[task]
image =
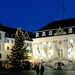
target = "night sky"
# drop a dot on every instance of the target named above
(31, 15)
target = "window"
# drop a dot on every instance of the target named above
(12, 41)
(26, 37)
(50, 32)
(7, 56)
(37, 34)
(50, 53)
(70, 30)
(27, 44)
(70, 53)
(7, 40)
(43, 34)
(0, 46)
(0, 55)
(7, 48)
(71, 41)
(12, 35)
(50, 43)
(7, 34)
(0, 35)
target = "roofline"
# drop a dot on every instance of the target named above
(55, 29)
(52, 36)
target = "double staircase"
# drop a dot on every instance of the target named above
(63, 64)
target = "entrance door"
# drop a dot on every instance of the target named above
(60, 53)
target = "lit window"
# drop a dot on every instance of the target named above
(71, 41)
(43, 34)
(43, 54)
(70, 53)
(70, 30)
(7, 48)
(26, 37)
(50, 53)
(12, 35)
(50, 32)
(7, 34)
(30, 45)
(12, 41)
(27, 44)
(0, 55)
(7, 40)
(50, 43)
(0, 35)
(37, 34)
(0, 46)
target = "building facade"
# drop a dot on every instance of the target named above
(53, 44)
(7, 35)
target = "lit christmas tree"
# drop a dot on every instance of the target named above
(18, 52)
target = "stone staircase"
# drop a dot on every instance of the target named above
(66, 64)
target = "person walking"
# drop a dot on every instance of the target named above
(42, 69)
(37, 70)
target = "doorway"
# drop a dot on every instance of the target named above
(60, 53)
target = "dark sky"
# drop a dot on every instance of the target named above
(32, 15)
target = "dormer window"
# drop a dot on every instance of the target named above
(11, 35)
(26, 37)
(43, 34)
(37, 34)
(70, 30)
(7, 34)
(50, 32)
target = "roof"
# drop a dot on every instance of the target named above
(12, 31)
(56, 24)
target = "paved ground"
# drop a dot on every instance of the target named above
(46, 72)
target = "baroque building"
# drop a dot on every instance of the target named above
(54, 44)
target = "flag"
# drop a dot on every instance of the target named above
(63, 8)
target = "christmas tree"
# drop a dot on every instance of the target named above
(19, 51)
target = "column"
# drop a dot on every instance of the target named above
(40, 48)
(66, 49)
(55, 50)
(73, 50)
(47, 49)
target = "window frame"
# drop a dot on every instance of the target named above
(70, 30)
(13, 41)
(50, 33)
(7, 41)
(12, 35)
(37, 34)
(43, 33)
(7, 34)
